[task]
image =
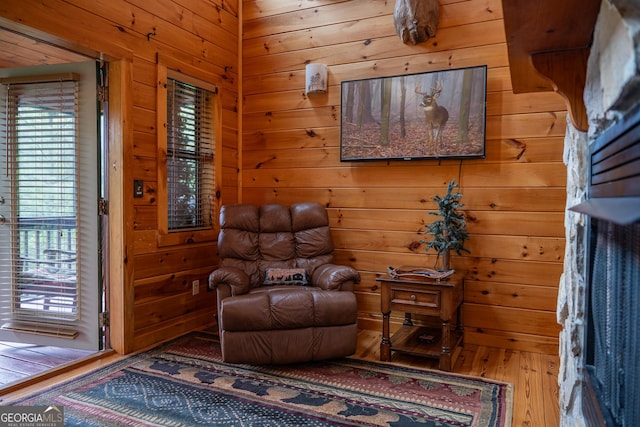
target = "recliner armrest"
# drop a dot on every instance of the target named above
(235, 278)
(334, 277)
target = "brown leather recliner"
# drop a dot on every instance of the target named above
(280, 297)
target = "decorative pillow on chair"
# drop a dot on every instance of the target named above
(286, 276)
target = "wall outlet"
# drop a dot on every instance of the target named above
(196, 287)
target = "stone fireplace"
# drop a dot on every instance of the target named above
(599, 250)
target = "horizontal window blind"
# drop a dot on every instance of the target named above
(39, 133)
(190, 153)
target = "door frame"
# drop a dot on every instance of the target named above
(117, 273)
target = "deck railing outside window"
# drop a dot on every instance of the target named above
(46, 276)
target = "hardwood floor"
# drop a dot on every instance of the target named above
(534, 376)
(19, 362)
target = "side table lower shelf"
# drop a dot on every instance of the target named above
(427, 342)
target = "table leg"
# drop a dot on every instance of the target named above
(385, 344)
(460, 325)
(445, 352)
(408, 321)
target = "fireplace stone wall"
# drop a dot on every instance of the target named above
(612, 89)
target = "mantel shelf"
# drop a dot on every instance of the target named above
(548, 43)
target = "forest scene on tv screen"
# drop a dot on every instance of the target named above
(438, 114)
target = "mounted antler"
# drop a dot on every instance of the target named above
(416, 20)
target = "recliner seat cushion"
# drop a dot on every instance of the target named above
(288, 346)
(289, 307)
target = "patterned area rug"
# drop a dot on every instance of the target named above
(185, 383)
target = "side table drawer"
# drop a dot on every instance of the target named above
(407, 300)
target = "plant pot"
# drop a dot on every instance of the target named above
(446, 260)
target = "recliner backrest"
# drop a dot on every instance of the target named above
(255, 238)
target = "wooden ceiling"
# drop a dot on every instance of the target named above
(17, 50)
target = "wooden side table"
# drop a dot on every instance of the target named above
(436, 298)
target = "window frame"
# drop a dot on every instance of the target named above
(167, 237)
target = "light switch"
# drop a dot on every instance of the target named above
(138, 188)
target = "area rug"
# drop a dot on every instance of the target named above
(185, 383)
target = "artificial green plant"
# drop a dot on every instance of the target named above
(449, 232)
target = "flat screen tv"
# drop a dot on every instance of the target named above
(432, 115)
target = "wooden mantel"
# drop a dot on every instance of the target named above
(549, 43)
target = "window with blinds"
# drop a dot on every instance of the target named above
(190, 154)
(38, 125)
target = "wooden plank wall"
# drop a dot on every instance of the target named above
(155, 294)
(514, 198)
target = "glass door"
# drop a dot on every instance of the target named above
(50, 291)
